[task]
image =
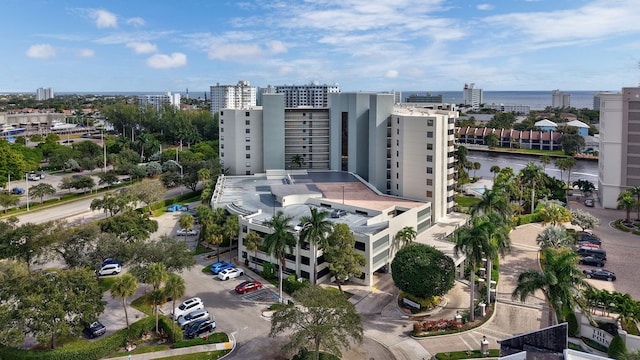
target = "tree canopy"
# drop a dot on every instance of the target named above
(423, 271)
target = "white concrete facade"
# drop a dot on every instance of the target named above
(472, 96)
(311, 95)
(241, 147)
(44, 94)
(239, 96)
(560, 99)
(157, 102)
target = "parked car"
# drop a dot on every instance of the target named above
(33, 176)
(589, 203)
(591, 251)
(173, 208)
(247, 286)
(184, 208)
(17, 191)
(338, 213)
(592, 261)
(109, 261)
(230, 273)
(199, 327)
(110, 269)
(42, 175)
(584, 236)
(94, 329)
(187, 306)
(190, 318)
(219, 266)
(185, 232)
(600, 274)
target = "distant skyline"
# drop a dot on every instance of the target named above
(363, 45)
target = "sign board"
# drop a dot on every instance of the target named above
(411, 303)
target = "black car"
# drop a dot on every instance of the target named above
(94, 329)
(584, 236)
(600, 274)
(592, 261)
(337, 213)
(199, 327)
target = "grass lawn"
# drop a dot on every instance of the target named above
(141, 350)
(208, 355)
(466, 201)
(106, 282)
(454, 355)
(142, 305)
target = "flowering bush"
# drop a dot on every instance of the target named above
(435, 326)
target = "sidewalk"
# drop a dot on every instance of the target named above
(182, 351)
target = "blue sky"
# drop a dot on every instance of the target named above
(363, 45)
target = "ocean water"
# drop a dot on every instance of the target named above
(538, 100)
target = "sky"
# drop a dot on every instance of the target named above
(362, 45)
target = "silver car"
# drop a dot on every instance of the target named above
(192, 317)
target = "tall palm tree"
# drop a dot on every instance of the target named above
(186, 222)
(474, 240)
(532, 176)
(545, 160)
(279, 241)
(560, 281)
(123, 286)
(555, 237)
(156, 275)
(252, 243)
(635, 191)
(406, 235)
(213, 235)
(315, 230)
(626, 202)
(155, 298)
(476, 166)
(230, 228)
(495, 169)
(492, 201)
(205, 216)
(174, 288)
(551, 212)
(501, 242)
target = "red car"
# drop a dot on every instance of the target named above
(247, 286)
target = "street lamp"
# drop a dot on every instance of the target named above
(26, 176)
(181, 173)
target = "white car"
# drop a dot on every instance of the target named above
(230, 273)
(185, 232)
(192, 317)
(110, 269)
(187, 306)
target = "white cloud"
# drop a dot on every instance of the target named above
(391, 74)
(103, 18)
(484, 7)
(86, 53)
(276, 47)
(245, 52)
(142, 47)
(41, 51)
(161, 61)
(136, 21)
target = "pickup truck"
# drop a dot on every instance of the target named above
(94, 329)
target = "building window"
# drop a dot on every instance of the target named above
(248, 164)
(429, 122)
(221, 129)
(221, 154)
(429, 134)
(248, 172)
(429, 158)
(305, 260)
(248, 156)
(397, 153)
(429, 146)
(429, 182)
(397, 176)
(397, 142)
(248, 147)
(247, 139)
(429, 170)
(429, 194)
(398, 120)
(221, 121)
(221, 138)
(221, 146)
(221, 113)
(247, 131)
(360, 246)
(247, 114)
(398, 131)
(247, 122)
(397, 164)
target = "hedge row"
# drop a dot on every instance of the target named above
(527, 219)
(214, 338)
(176, 199)
(92, 350)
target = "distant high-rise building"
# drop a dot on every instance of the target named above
(311, 95)
(240, 96)
(426, 98)
(44, 94)
(619, 156)
(472, 96)
(560, 100)
(596, 102)
(158, 101)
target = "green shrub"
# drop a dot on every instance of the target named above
(631, 327)
(619, 226)
(574, 328)
(528, 218)
(268, 271)
(617, 348)
(305, 354)
(214, 338)
(291, 284)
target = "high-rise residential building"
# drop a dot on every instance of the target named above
(44, 94)
(157, 102)
(619, 156)
(596, 102)
(472, 96)
(560, 99)
(516, 109)
(311, 95)
(402, 150)
(239, 96)
(426, 98)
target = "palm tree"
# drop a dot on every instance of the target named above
(626, 202)
(174, 288)
(532, 176)
(474, 240)
(555, 237)
(551, 212)
(230, 228)
(495, 169)
(205, 216)
(635, 191)
(186, 222)
(476, 166)
(213, 235)
(406, 235)
(156, 275)
(501, 242)
(315, 229)
(252, 243)
(545, 160)
(155, 298)
(560, 281)
(122, 287)
(492, 202)
(279, 241)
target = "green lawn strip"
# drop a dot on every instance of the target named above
(142, 305)
(141, 350)
(466, 201)
(207, 355)
(105, 283)
(454, 355)
(214, 338)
